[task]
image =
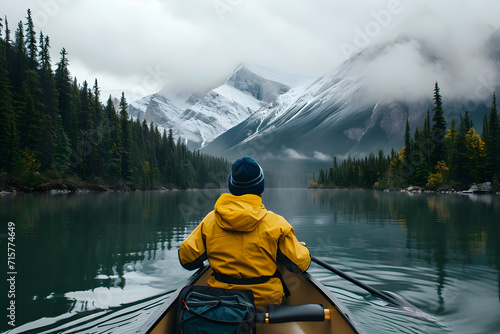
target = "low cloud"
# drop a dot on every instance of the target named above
(321, 156)
(199, 43)
(293, 154)
(435, 43)
(289, 153)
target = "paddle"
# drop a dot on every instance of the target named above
(380, 294)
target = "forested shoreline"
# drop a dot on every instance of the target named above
(56, 133)
(433, 158)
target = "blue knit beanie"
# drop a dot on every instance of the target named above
(246, 177)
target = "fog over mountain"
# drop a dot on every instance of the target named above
(363, 105)
(406, 67)
(392, 59)
(198, 44)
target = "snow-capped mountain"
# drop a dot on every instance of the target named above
(327, 117)
(198, 120)
(349, 111)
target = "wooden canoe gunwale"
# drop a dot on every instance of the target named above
(159, 315)
(327, 294)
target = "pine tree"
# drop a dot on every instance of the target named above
(32, 82)
(96, 106)
(466, 121)
(140, 152)
(202, 174)
(461, 171)
(46, 146)
(29, 123)
(84, 146)
(75, 135)
(484, 133)
(63, 83)
(407, 140)
(169, 167)
(421, 168)
(95, 156)
(426, 133)
(49, 122)
(451, 138)
(31, 42)
(493, 144)
(85, 112)
(321, 177)
(331, 177)
(50, 94)
(162, 157)
(115, 162)
(114, 165)
(26, 76)
(50, 101)
(126, 141)
(438, 130)
(9, 141)
(106, 129)
(20, 64)
(62, 147)
(7, 32)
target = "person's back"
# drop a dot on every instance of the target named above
(243, 241)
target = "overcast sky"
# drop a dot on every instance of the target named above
(139, 46)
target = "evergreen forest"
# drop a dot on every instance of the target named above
(53, 128)
(434, 157)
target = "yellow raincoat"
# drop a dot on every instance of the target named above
(243, 240)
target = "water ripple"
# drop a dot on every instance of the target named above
(125, 319)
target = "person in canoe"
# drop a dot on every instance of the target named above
(243, 241)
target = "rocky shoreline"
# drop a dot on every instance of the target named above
(482, 188)
(65, 186)
(62, 186)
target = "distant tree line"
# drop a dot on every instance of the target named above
(434, 157)
(52, 127)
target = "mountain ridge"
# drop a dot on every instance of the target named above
(348, 112)
(197, 120)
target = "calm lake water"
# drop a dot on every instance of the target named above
(102, 263)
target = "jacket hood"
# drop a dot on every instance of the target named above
(239, 213)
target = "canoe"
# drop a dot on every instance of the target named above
(304, 289)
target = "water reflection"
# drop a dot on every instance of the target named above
(439, 228)
(83, 242)
(89, 252)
